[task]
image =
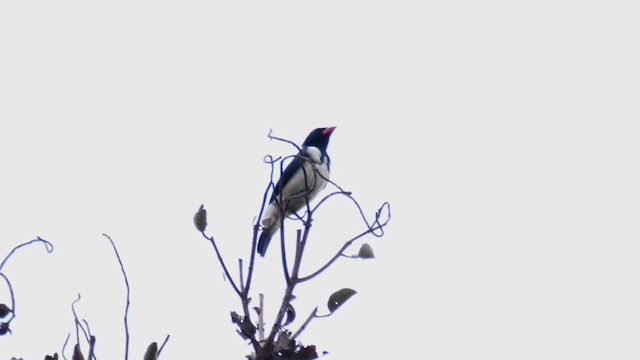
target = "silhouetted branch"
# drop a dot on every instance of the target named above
(126, 310)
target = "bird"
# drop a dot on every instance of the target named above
(301, 181)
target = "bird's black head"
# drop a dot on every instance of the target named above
(319, 138)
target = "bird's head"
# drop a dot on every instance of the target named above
(319, 138)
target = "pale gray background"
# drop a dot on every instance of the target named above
(504, 134)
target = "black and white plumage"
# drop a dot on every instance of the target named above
(304, 177)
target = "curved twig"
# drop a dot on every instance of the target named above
(76, 320)
(377, 225)
(13, 299)
(47, 245)
(271, 137)
(64, 346)
(126, 310)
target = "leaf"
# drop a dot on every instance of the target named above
(339, 297)
(366, 252)
(291, 315)
(200, 219)
(152, 352)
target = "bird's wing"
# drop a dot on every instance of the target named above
(293, 167)
(286, 176)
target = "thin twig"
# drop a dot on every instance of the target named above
(283, 140)
(283, 251)
(371, 230)
(13, 299)
(254, 242)
(261, 318)
(241, 277)
(91, 349)
(126, 310)
(64, 346)
(92, 344)
(75, 318)
(224, 266)
(305, 323)
(162, 346)
(86, 332)
(48, 246)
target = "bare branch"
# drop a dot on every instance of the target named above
(126, 310)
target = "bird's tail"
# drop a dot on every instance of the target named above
(265, 238)
(270, 225)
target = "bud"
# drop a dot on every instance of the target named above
(152, 352)
(4, 311)
(366, 252)
(4, 329)
(200, 219)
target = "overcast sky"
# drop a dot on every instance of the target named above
(503, 134)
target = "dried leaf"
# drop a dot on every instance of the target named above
(247, 328)
(308, 353)
(291, 315)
